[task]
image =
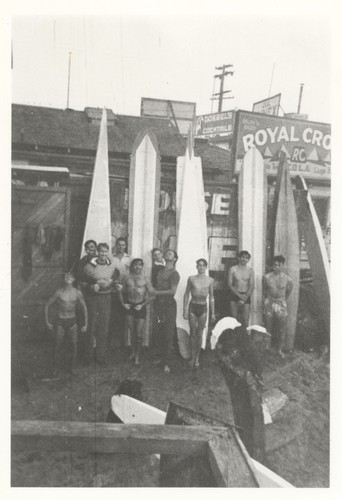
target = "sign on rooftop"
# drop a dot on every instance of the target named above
(215, 124)
(269, 106)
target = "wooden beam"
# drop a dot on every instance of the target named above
(229, 462)
(111, 438)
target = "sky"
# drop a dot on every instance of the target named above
(117, 59)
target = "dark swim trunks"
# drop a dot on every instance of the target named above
(235, 298)
(141, 314)
(198, 309)
(67, 323)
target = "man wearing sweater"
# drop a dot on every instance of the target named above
(106, 276)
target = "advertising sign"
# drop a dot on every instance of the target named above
(269, 106)
(306, 144)
(215, 124)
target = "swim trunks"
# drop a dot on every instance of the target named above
(138, 314)
(275, 307)
(235, 298)
(198, 309)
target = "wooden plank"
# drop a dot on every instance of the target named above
(111, 438)
(229, 462)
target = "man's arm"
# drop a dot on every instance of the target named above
(231, 284)
(186, 299)
(151, 294)
(212, 300)
(289, 287)
(80, 298)
(173, 289)
(251, 285)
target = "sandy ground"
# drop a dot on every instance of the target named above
(300, 430)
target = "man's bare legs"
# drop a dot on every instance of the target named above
(197, 325)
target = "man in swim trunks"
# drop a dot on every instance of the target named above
(166, 308)
(67, 298)
(200, 287)
(241, 285)
(277, 288)
(138, 292)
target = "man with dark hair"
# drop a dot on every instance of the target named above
(136, 293)
(277, 288)
(83, 283)
(166, 308)
(106, 275)
(241, 285)
(67, 298)
(195, 310)
(122, 261)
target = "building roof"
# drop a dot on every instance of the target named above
(68, 128)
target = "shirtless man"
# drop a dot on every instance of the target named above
(241, 285)
(277, 288)
(199, 286)
(67, 299)
(138, 292)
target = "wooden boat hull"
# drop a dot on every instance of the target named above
(130, 410)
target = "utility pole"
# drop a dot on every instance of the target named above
(221, 76)
(68, 80)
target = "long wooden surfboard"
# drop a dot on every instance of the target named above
(286, 243)
(315, 249)
(143, 212)
(132, 411)
(191, 236)
(98, 223)
(252, 223)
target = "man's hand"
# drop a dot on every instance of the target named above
(212, 318)
(96, 287)
(127, 306)
(84, 329)
(138, 307)
(49, 326)
(118, 287)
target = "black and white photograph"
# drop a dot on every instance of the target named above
(169, 208)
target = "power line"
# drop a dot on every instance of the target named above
(221, 77)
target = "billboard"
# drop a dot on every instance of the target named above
(307, 145)
(215, 124)
(182, 113)
(269, 106)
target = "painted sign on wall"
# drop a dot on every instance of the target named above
(306, 144)
(215, 124)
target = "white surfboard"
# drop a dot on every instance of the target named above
(192, 229)
(98, 223)
(286, 243)
(252, 223)
(316, 250)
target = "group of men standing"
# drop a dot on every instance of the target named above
(113, 292)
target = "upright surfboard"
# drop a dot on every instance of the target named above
(252, 222)
(315, 249)
(98, 223)
(192, 231)
(286, 242)
(143, 212)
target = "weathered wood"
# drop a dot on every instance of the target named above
(229, 462)
(111, 438)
